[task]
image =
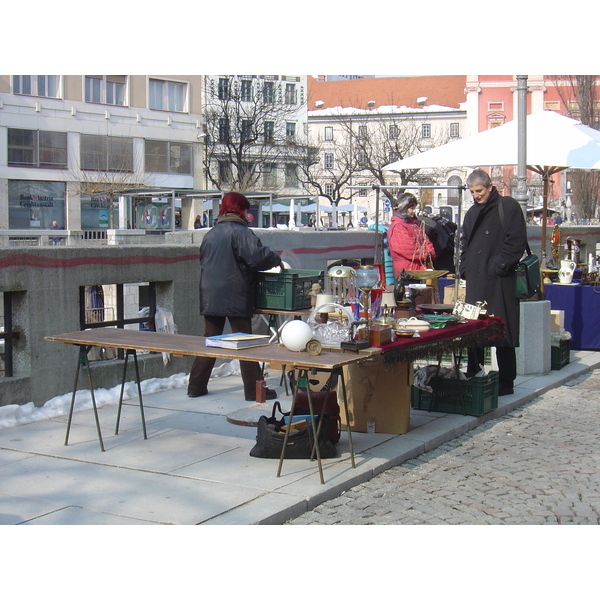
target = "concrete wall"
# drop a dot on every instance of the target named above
(45, 284)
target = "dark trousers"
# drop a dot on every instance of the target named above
(507, 364)
(203, 365)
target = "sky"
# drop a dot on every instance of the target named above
(262, 37)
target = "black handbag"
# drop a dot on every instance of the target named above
(270, 437)
(527, 271)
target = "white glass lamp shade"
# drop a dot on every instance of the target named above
(341, 271)
(295, 335)
(367, 277)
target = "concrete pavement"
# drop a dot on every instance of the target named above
(195, 467)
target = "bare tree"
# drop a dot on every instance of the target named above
(378, 143)
(328, 170)
(579, 93)
(250, 132)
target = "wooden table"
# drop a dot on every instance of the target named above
(186, 345)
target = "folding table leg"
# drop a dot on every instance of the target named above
(302, 382)
(349, 429)
(137, 379)
(82, 359)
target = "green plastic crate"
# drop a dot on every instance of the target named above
(560, 355)
(287, 290)
(480, 395)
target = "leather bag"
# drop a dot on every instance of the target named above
(270, 438)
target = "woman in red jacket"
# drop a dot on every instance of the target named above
(409, 245)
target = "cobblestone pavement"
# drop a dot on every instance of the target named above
(537, 465)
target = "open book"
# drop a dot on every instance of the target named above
(235, 341)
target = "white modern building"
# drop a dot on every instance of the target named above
(69, 143)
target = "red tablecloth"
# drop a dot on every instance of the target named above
(449, 339)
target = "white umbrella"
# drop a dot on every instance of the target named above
(554, 143)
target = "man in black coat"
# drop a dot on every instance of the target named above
(489, 254)
(231, 255)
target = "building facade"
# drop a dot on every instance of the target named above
(71, 143)
(492, 100)
(256, 129)
(360, 125)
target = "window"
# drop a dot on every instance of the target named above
(269, 131)
(224, 171)
(269, 92)
(104, 153)
(362, 132)
(329, 134)
(329, 189)
(223, 130)
(291, 175)
(269, 175)
(329, 161)
(7, 333)
(118, 305)
(34, 148)
(105, 89)
(290, 93)
(426, 130)
(361, 158)
(246, 90)
(46, 86)
(167, 95)
(223, 91)
(168, 157)
(290, 131)
(393, 132)
(246, 130)
(454, 130)
(363, 192)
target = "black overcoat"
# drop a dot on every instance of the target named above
(488, 258)
(230, 257)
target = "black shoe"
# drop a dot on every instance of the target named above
(190, 395)
(505, 391)
(270, 395)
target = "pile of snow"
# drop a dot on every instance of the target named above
(17, 414)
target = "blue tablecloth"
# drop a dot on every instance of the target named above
(581, 304)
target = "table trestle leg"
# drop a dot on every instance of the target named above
(82, 359)
(139, 388)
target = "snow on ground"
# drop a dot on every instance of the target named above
(17, 414)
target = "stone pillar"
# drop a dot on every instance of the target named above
(533, 355)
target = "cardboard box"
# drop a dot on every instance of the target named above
(449, 293)
(378, 396)
(557, 321)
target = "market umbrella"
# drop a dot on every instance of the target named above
(554, 143)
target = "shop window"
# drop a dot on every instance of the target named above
(37, 148)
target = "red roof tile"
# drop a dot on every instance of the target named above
(443, 90)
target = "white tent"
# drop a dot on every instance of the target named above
(554, 143)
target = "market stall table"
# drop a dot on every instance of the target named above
(581, 305)
(186, 345)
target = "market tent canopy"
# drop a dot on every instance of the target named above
(553, 141)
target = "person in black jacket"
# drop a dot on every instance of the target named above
(230, 257)
(489, 254)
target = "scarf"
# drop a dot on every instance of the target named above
(232, 218)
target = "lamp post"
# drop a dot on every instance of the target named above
(521, 195)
